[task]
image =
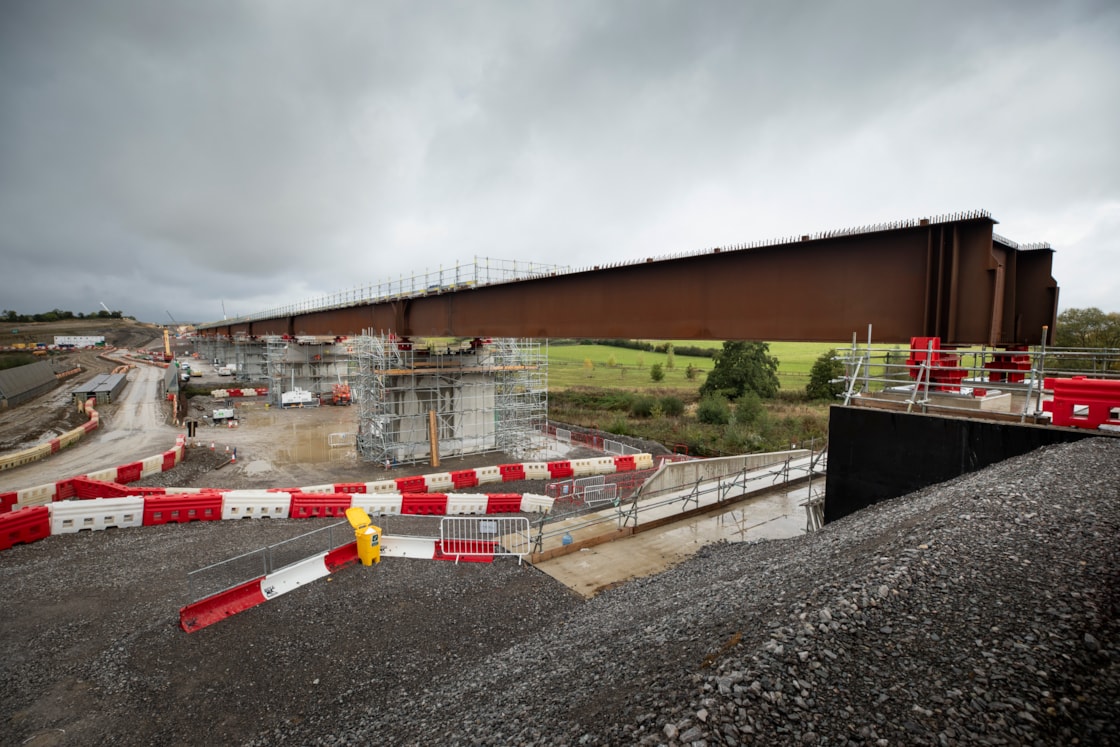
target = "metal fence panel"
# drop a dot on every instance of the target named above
(475, 535)
(226, 574)
(597, 495)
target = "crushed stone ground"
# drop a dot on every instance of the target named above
(980, 611)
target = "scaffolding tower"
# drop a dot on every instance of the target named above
(484, 396)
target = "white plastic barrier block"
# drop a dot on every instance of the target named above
(176, 491)
(459, 504)
(438, 482)
(40, 495)
(68, 517)
(151, 466)
(104, 475)
(382, 486)
(378, 504)
(256, 504)
(583, 467)
(643, 461)
(603, 465)
(294, 576)
(328, 488)
(536, 471)
(535, 504)
(488, 474)
(408, 547)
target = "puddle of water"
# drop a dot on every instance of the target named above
(772, 516)
(304, 436)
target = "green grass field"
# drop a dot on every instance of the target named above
(567, 365)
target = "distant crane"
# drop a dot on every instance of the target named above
(105, 307)
(172, 318)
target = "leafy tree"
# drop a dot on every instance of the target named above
(748, 409)
(656, 373)
(670, 358)
(826, 368)
(1087, 328)
(588, 366)
(690, 372)
(641, 361)
(714, 410)
(612, 361)
(741, 367)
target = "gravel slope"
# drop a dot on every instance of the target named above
(981, 611)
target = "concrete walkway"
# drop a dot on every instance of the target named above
(763, 504)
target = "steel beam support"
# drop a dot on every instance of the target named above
(947, 280)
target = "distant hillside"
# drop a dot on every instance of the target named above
(121, 333)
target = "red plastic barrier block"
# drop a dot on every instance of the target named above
(27, 525)
(1083, 403)
(503, 503)
(64, 490)
(624, 463)
(512, 472)
(560, 469)
(424, 504)
(464, 478)
(90, 427)
(181, 508)
(349, 487)
(198, 615)
(319, 505)
(7, 501)
(234, 392)
(168, 461)
(410, 484)
(87, 488)
(56, 445)
(129, 472)
(465, 551)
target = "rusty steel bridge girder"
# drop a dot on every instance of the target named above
(950, 279)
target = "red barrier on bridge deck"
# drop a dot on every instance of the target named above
(512, 472)
(182, 507)
(26, 525)
(434, 504)
(1100, 399)
(318, 505)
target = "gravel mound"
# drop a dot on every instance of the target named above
(981, 611)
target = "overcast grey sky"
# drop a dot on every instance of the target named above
(175, 155)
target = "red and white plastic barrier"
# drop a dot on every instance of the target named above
(229, 393)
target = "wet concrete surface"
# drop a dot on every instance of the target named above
(775, 515)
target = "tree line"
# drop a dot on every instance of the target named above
(58, 315)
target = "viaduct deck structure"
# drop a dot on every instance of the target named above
(950, 277)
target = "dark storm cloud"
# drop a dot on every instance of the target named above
(259, 153)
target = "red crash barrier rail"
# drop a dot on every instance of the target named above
(1084, 403)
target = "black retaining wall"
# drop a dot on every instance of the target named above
(874, 455)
